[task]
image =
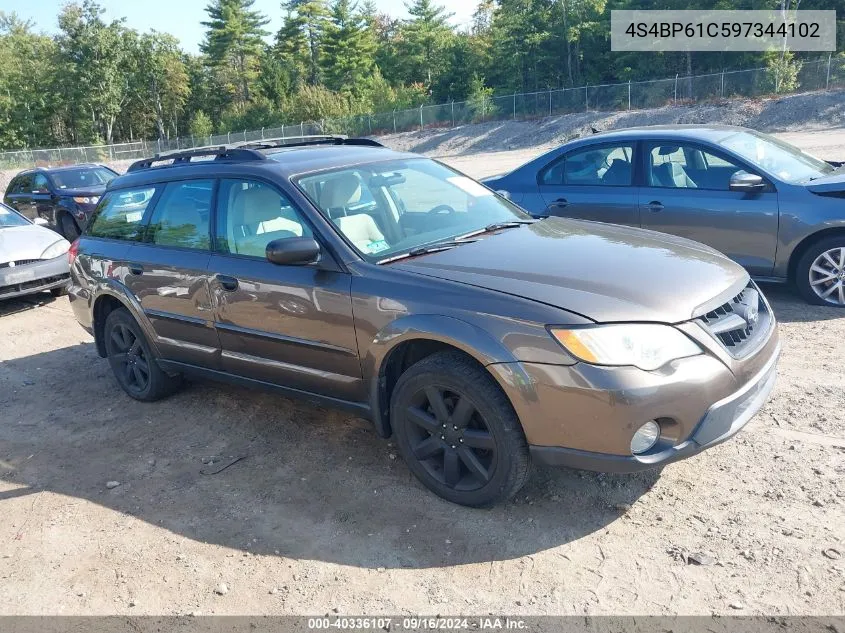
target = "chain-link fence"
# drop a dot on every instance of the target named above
(821, 74)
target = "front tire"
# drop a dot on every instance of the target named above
(458, 432)
(820, 273)
(132, 361)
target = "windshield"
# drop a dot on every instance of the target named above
(10, 218)
(777, 157)
(390, 208)
(81, 178)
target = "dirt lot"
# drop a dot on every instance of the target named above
(321, 515)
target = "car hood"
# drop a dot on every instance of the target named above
(25, 242)
(91, 190)
(604, 272)
(828, 184)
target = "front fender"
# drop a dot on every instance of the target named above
(459, 334)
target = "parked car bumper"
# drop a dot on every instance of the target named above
(585, 416)
(39, 276)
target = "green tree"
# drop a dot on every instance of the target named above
(348, 49)
(160, 82)
(233, 44)
(29, 97)
(423, 41)
(201, 124)
(94, 63)
(291, 47)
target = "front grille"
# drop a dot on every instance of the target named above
(739, 323)
(19, 262)
(32, 285)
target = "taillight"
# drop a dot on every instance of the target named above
(73, 251)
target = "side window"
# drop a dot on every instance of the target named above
(40, 183)
(689, 167)
(14, 186)
(252, 214)
(120, 214)
(608, 165)
(181, 215)
(24, 184)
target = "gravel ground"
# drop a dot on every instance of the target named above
(321, 515)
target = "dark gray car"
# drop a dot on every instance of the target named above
(391, 285)
(774, 209)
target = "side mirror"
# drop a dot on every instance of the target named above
(40, 222)
(293, 251)
(744, 182)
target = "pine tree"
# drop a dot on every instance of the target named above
(233, 43)
(348, 49)
(424, 40)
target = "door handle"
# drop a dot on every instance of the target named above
(654, 206)
(560, 202)
(228, 283)
(135, 269)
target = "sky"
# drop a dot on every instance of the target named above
(182, 18)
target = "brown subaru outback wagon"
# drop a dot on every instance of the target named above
(389, 284)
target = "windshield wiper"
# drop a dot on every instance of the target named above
(425, 250)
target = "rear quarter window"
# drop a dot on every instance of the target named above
(120, 214)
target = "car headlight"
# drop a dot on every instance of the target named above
(644, 345)
(86, 199)
(56, 250)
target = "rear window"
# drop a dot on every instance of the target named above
(120, 214)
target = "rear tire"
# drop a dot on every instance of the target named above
(132, 361)
(70, 230)
(458, 432)
(820, 273)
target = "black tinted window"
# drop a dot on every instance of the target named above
(23, 184)
(121, 213)
(181, 215)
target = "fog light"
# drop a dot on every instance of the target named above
(645, 437)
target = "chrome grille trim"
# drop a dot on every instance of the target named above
(740, 322)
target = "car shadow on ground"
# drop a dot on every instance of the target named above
(311, 483)
(9, 307)
(790, 307)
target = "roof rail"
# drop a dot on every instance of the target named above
(301, 141)
(184, 156)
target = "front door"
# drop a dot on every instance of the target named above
(168, 273)
(592, 183)
(686, 193)
(286, 325)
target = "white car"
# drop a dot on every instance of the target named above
(32, 258)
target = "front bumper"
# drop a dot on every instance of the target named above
(36, 277)
(722, 421)
(584, 416)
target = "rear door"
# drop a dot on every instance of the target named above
(686, 192)
(20, 197)
(168, 273)
(286, 325)
(593, 182)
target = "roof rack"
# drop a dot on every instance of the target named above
(245, 150)
(184, 156)
(300, 141)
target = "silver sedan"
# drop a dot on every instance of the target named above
(32, 258)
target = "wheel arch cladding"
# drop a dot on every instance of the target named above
(104, 305)
(114, 295)
(408, 340)
(808, 242)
